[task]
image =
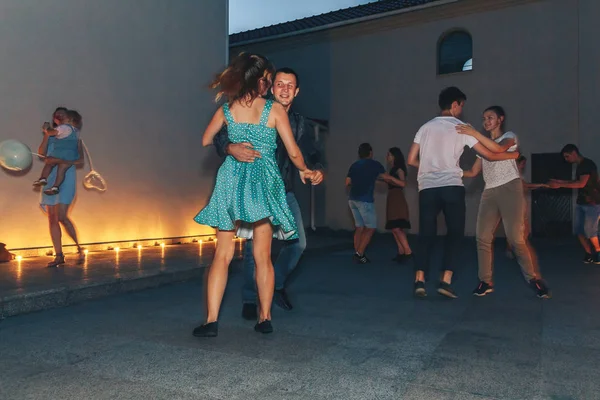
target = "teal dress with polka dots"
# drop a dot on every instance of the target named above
(249, 192)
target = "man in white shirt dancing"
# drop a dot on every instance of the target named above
(436, 152)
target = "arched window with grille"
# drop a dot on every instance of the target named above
(455, 52)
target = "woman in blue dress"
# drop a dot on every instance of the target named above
(248, 198)
(57, 206)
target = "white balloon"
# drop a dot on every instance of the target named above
(14, 155)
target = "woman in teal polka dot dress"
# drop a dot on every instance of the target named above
(248, 198)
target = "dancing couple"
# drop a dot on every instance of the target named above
(250, 198)
(436, 152)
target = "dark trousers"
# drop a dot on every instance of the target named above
(451, 201)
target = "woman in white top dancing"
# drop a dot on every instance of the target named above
(503, 198)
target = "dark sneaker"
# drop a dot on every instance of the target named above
(541, 290)
(264, 327)
(249, 312)
(482, 289)
(596, 258)
(420, 289)
(363, 260)
(446, 290)
(588, 259)
(52, 191)
(207, 330)
(40, 182)
(402, 258)
(280, 298)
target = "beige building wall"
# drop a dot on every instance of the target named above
(138, 72)
(589, 78)
(380, 83)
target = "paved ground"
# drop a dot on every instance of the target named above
(30, 274)
(356, 333)
(27, 285)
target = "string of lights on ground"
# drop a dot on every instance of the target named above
(139, 247)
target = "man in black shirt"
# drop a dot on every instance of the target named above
(286, 87)
(588, 201)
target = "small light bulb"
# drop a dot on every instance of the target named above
(139, 246)
(85, 252)
(117, 249)
(162, 245)
(19, 258)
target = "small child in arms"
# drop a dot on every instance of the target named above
(63, 143)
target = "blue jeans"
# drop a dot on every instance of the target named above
(286, 261)
(586, 220)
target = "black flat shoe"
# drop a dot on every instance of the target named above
(281, 299)
(446, 290)
(207, 330)
(249, 312)
(58, 261)
(264, 327)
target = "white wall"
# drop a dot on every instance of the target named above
(138, 72)
(382, 83)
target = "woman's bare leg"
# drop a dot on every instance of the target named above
(265, 276)
(54, 225)
(217, 274)
(63, 218)
(402, 241)
(397, 240)
(55, 235)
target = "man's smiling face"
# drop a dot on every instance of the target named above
(285, 88)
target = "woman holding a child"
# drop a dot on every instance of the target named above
(57, 197)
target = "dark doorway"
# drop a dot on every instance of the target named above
(551, 209)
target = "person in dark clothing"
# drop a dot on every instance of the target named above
(587, 210)
(286, 87)
(397, 216)
(361, 179)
